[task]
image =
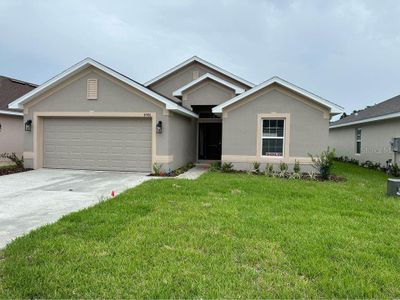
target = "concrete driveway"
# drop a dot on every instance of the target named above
(31, 199)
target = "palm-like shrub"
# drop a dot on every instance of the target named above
(323, 163)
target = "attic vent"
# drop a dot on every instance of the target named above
(92, 89)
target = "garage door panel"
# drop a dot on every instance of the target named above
(122, 144)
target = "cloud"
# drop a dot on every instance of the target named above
(345, 51)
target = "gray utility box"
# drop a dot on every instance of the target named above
(393, 187)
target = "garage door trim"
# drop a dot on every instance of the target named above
(38, 129)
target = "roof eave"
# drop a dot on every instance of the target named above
(170, 105)
(369, 120)
(11, 113)
(334, 108)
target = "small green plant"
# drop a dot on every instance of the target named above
(296, 167)
(19, 162)
(227, 167)
(283, 167)
(269, 170)
(395, 170)
(324, 162)
(157, 169)
(215, 166)
(256, 167)
(295, 176)
(312, 175)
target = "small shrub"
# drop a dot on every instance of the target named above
(324, 162)
(395, 170)
(19, 162)
(296, 167)
(256, 167)
(312, 175)
(269, 170)
(157, 169)
(227, 167)
(215, 166)
(354, 161)
(295, 176)
(283, 167)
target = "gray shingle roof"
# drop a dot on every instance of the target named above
(387, 107)
(11, 89)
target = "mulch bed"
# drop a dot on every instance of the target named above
(12, 170)
(304, 176)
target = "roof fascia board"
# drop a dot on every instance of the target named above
(178, 92)
(335, 109)
(374, 119)
(170, 105)
(202, 61)
(11, 113)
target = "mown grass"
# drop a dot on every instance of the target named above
(223, 235)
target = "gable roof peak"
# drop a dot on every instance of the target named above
(76, 68)
(203, 62)
(334, 108)
(178, 92)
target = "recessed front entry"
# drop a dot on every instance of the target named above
(210, 141)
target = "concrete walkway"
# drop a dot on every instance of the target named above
(31, 199)
(193, 173)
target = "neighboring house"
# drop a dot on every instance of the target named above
(366, 135)
(92, 117)
(11, 120)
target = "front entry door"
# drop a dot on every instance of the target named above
(210, 140)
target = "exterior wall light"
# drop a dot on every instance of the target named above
(28, 125)
(159, 127)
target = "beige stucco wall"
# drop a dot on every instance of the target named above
(182, 140)
(375, 141)
(306, 133)
(207, 93)
(178, 79)
(113, 96)
(11, 135)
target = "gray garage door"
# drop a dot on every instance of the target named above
(118, 144)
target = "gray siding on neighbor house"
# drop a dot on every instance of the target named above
(375, 140)
(113, 96)
(167, 85)
(207, 92)
(11, 135)
(182, 140)
(309, 125)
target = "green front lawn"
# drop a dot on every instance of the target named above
(223, 235)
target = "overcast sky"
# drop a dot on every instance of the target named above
(345, 51)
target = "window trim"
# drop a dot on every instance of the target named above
(273, 137)
(358, 140)
(286, 134)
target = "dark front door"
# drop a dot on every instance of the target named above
(210, 139)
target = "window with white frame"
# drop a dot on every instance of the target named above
(358, 141)
(273, 137)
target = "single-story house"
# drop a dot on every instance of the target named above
(11, 120)
(93, 117)
(367, 135)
